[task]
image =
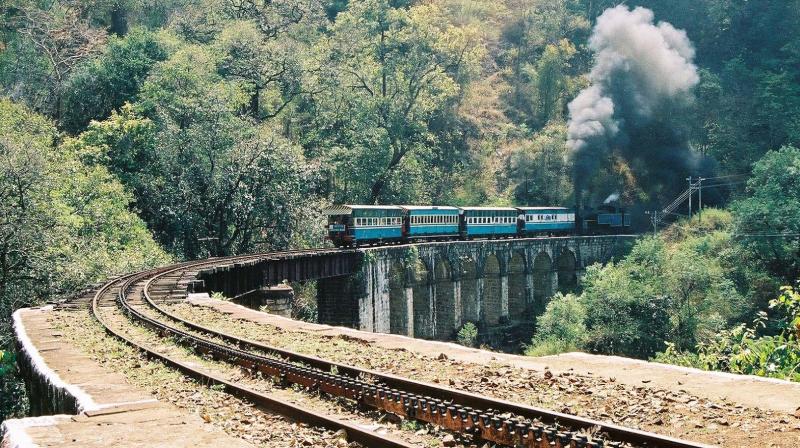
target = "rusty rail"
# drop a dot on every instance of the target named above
(462, 412)
(354, 433)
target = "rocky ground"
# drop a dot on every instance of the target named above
(672, 412)
(238, 418)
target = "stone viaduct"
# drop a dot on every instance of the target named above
(429, 290)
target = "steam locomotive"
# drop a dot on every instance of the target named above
(357, 225)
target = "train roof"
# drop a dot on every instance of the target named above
(429, 207)
(347, 209)
(543, 208)
(488, 209)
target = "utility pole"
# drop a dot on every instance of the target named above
(690, 197)
(654, 220)
(700, 199)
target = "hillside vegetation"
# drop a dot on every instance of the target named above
(704, 292)
(133, 132)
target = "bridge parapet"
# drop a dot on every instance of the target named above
(426, 290)
(429, 290)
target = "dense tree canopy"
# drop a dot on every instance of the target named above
(215, 127)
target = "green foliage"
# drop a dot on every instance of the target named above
(468, 335)
(304, 302)
(195, 165)
(11, 388)
(538, 172)
(66, 224)
(682, 288)
(44, 49)
(387, 77)
(768, 221)
(743, 349)
(560, 328)
(111, 80)
(626, 310)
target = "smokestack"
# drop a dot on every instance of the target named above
(642, 75)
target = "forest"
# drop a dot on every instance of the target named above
(138, 132)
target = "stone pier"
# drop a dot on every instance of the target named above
(430, 290)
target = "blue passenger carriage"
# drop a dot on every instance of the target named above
(353, 225)
(546, 220)
(421, 221)
(490, 222)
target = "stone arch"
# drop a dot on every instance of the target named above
(517, 288)
(398, 302)
(445, 299)
(492, 293)
(421, 289)
(567, 276)
(542, 282)
(469, 290)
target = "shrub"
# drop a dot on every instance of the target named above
(12, 388)
(468, 335)
(550, 346)
(742, 350)
(560, 328)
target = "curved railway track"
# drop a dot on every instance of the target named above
(477, 416)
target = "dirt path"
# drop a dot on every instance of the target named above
(114, 412)
(747, 390)
(703, 406)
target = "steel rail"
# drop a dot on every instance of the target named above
(453, 409)
(354, 433)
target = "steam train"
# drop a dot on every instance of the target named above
(358, 225)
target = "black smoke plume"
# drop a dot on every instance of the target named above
(635, 107)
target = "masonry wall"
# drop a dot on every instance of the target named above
(430, 290)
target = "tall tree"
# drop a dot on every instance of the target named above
(384, 75)
(768, 221)
(49, 45)
(206, 178)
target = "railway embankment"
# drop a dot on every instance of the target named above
(77, 402)
(710, 407)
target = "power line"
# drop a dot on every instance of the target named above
(792, 235)
(724, 184)
(724, 177)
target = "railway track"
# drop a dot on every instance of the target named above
(115, 292)
(476, 417)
